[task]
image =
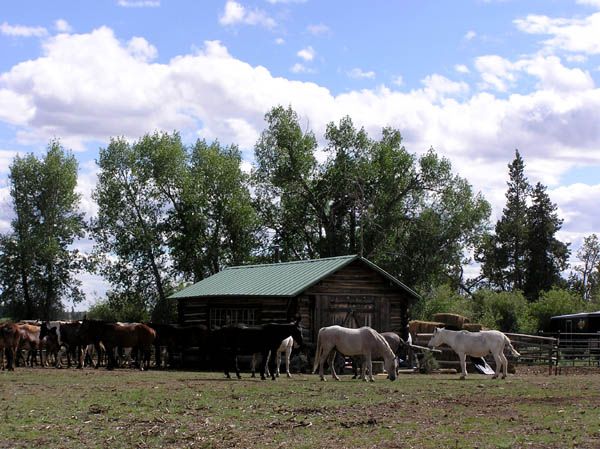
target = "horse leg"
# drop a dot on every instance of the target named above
(463, 365)
(504, 365)
(270, 365)
(498, 362)
(237, 368)
(332, 364)
(321, 365)
(278, 364)
(369, 362)
(253, 366)
(110, 352)
(288, 354)
(266, 362)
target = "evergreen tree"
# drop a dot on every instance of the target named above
(546, 256)
(504, 255)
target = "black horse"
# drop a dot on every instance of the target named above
(231, 341)
(177, 338)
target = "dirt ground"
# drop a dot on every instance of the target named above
(95, 408)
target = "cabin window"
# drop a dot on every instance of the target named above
(222, 316)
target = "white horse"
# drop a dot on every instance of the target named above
(285, 347)
(351, 342)
(475, 344)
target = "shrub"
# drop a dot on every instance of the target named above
(552, 303)
(504, 311)
(442, 299)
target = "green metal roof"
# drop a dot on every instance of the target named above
(281, 279)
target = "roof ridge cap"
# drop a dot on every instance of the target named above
(290, 262)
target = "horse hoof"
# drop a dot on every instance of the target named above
(462, 377)
(289, 375)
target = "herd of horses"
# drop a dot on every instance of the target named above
(222, 346)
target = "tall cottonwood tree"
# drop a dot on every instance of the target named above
(169, 213)
(411, 215)
(38, 265)
(588, 280)
(129, 229)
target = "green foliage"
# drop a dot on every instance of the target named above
(412, 216)
(546, 256)
(442, 299)
(120, 307)
(553, 303)
(167, 212)
(428, 364)
(504, 311)
(524, 253)
(586, 279)
(37, 261)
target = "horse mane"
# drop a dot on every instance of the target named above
(383, 342)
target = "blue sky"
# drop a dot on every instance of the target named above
(473, 79)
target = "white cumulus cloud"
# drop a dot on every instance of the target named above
(22, 30)
(235, 13)
(308, 53)
(358, 73)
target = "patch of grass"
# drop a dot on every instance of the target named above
(96, 408)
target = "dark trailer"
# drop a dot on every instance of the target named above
(346, 290)
(576, 323)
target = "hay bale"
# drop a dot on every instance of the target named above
(451, 320)
(423, 327)
(472, 327)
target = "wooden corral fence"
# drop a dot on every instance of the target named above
(535, 350)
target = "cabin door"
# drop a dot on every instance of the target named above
(353, 312)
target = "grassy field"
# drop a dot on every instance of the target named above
(125, 408)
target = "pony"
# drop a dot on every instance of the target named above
(352, 342)
(114, 335)
(475, 344)
(233, 340)
(285, 348)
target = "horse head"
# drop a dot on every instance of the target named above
(436, 338)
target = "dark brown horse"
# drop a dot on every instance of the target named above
(119, 335)
(230, 341)
(9, 342)
(175, 338)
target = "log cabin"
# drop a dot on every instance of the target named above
(348, 290)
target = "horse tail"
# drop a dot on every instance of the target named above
(510, 346)
(318, 354)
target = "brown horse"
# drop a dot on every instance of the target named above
(9, 342)
(30, 341)
(124, 335)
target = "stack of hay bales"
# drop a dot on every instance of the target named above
(452, 321)
(423, 327)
